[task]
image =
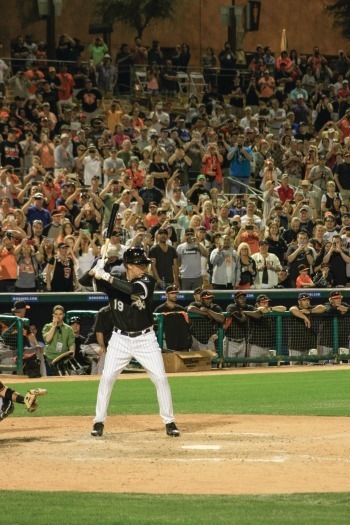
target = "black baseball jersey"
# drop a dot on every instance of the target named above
(103, 323)
(176, 327)
(131, 302)
(262, 331)
(78, 341)
(236, 329)
(203, 328)
(326, 334)
(300, 337)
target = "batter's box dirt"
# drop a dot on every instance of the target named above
(214, 455)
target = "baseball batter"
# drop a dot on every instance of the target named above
(130, 297)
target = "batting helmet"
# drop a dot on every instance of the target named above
(75, 319)
(135, 256)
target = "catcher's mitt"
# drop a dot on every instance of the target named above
(30, 400)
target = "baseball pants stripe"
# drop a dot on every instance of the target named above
(121, 349)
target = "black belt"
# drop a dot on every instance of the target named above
(236, 340)
(132, 334)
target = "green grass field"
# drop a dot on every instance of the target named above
(318, 394)
(310, 393)
(51, 508)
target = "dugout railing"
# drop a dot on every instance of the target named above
(208, 334)
(326, 340)
(12, 343)
(282, 336)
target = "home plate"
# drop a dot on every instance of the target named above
(202, 447)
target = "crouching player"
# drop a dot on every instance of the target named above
(8, 397)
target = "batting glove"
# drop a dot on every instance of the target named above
(101, 274)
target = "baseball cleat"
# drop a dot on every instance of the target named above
(97, 430)
(172, 430)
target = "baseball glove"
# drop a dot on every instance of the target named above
(30, 400)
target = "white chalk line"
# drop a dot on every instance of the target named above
(277, 459)
(259, 434)
(201, 447)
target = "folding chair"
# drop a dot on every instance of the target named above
(141, 82)
(197, 83)
(183, 81)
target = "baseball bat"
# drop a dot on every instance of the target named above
(110, 228)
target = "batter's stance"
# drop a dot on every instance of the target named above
(130, 297)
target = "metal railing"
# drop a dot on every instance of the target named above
(12, 343)
(284, 336)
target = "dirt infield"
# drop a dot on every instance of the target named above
(216, 454)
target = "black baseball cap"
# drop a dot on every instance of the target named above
(263, 242)
(239, 294)
(172, 289)
(303, 267)
(75, 319)
(19, 305)
(335, 294)
(206, 294)
(197, 290)
(189, 230)
(304, 295)
(261, 298)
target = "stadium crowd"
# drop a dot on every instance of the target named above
(238, 184)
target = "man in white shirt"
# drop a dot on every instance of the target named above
(112, 165)
(92, 162)
(250, 209)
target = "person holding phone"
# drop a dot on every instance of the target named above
(300, 253)
(240, 157)
(58, 338)
(197, 190)
(338, 259)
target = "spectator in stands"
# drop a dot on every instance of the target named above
(169, 80)
(65, 89)
(267, 266)
(180, 162)
(227, 61)
(226, 265)
(63, 154)
(248, 266)
(338, 260)
(34, 209)
(149, 193)
(8, 264)
(342, 178)
(300, 110)
(303, 280)
(11, 152)
(90, 99)
(299, 253)
(165, 266)
(60, 274)
(240, 157)
(283, 279)
(155, 54)
(189, 254)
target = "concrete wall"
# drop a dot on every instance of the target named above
(305, 21)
